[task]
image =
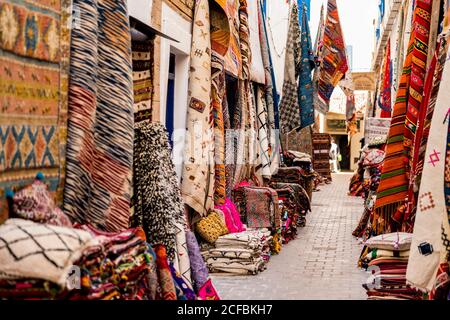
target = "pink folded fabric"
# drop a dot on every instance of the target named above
(232, 217)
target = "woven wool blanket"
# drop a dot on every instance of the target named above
(431, 206)
(40, 251)
(289, 106)
(334, 63)
(306, 66)
(100, 129)
(197, 184)
(158, 205)
(34, 59)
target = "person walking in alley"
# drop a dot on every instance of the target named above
(335, 156)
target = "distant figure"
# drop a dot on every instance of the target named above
(335, 156)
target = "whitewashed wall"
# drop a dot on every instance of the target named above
(141, 9)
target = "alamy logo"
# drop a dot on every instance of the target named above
(74, 278)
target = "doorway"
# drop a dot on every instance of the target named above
(344, 149)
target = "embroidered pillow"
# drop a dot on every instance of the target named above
(211, 227)
(35, 203)
(399, 241)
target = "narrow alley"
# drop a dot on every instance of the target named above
(320, 263)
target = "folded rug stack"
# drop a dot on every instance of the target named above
(240, 253)
(41, 261)
(386, 257)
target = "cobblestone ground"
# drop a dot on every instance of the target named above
(320, 264)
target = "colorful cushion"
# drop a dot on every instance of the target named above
(211, 227)
(399, 241)
(35, 203)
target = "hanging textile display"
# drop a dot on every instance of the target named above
(217, 95)
(257, 65)
(197, 183)
(220, 38)
(100, 129)
(289, 106)
(270, 95)
(220, 41)
(307, 65)
(319, 105)
(422, 22)
(334, 63)
(33, 98)
(393, 189)
(233, 59)
(252, 143)
(142, 54)
(385, 93)
(263, 136)
(425, 115)
(427, 246)
(158, 206)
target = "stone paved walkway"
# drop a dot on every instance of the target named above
(320, 264)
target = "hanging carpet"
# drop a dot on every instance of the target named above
(34, 59)
(100, 128)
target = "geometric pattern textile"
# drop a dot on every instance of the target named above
(100, 128)
(40, 251)
(34, 54)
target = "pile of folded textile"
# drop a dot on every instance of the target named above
(242, 253)
(386, 257)
(42, 261)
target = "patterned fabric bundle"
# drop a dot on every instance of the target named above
(165, 279)
(100, 134)
(111, 266)
(292, 175)
(289, 106)
(258, 206)
(334, 63)
(142, 53)
(34, 57)
(299, 194)
(385, 94)
(240, 253)
(157, 200)
(393, 188)
(197, 184)
(305, 82)
(270, 95)
(39, 251)
(431, 207)
(121, 266)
